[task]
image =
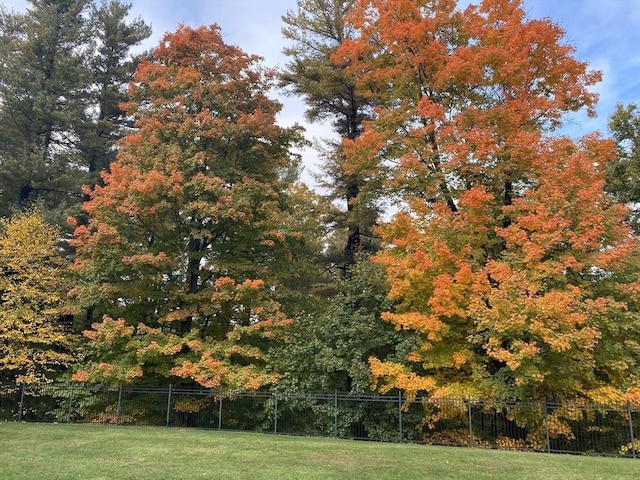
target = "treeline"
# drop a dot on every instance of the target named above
(156, 232)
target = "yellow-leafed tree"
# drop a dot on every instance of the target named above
(34, 345)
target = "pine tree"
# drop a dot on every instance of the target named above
(65, 63)
(317, 29)
(623, 174)
(112, 67)
(43, 93)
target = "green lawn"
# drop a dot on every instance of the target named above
(44, 451)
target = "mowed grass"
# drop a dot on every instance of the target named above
(45, 451)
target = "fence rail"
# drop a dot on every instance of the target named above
(540, 426)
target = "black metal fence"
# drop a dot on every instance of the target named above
(540, 426)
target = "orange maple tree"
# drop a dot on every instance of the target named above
(507, 259)
(180, 251)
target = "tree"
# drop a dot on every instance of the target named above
(112, 66)
(509, 261)
(317, 29)
(329, 348)
(43, 88)
(64, 65)
(306, 284)
(623, 175)
(182, 249)
(34, 344)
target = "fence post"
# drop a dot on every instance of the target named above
(21, 405)
(220, 409)
(470, 418)
(400, 414)
(70, 402)
(335, 413)
(119, 404)
(275, 413)
(168, 407)
(633, 440)
(546, 424)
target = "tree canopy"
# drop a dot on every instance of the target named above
(35, 345)
(64, 63)
(185, 236)
(509, 260)
(508, 267)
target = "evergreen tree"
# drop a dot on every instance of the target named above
(43, 93)
(64, 66)
(112, 66)
(317, 29)
(623, 174)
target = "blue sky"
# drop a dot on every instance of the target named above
(605, 33)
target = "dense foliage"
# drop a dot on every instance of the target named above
(509, 260)
(508, 269)
(35, 343)
(186, 236)
(64, 63)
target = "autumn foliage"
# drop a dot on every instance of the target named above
(35, 345)
(508, 260)
(508, 271)
(183, 236)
